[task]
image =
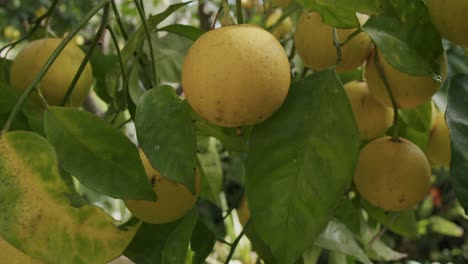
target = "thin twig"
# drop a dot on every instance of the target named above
(220, 9)
(235, 205)
(141, 12)
(236, 242)
(119, 55)
(395, 137)
(84, 63)
(383, 230)
(124, 123)
(115, 117)
(224, 241)
(42, 98)
(119, 20)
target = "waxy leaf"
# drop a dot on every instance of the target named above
(457, 120)
(37, 215)
(166, 134)
(96, 153)
(300, 162)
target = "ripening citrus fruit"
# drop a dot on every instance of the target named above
(58, 78)
(236, 75)
(174, 200)
(438, 147)
(284, 28)
(314, 43)
(392, 175)
(409, 91)
(372, 117)
(449, 17)
(281, 3)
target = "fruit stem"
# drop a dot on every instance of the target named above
(121, 63)
(44, 101)
(148, 38)
(85, 61)
(236, 242)
(336, 43)
(34, 28)
(240, 16)
(48, 64)
(395, 136)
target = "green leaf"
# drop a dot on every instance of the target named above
(11, 254)
(190, 32)
(405, 223)
(342, 13)
(420, 138)
(399, 39)
(296, 164)
(349, 214)
(233, 139)
(457, 120)
(102, 64)
(35, 117)
(418, 118)
(100, 156)
(211, 172)
(258, 245)
(8, 98)
(337, 237)
(154, 21)
(377, 250)
(202, 242)
(20, 122)
(312, 256)
(442, 226)
(37, 215)
(166, 134)
(165, 243)
(177, 244)
(169, 53)
(5, 71)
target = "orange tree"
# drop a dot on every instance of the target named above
(202, 111)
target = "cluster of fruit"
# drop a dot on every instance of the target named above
(246, 78)
(392, 173)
